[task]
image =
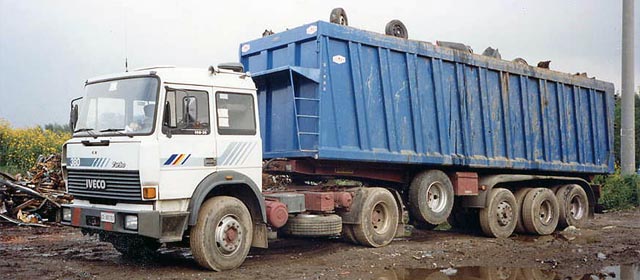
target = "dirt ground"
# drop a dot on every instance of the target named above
(610, 239)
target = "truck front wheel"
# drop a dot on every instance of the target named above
(222, 236)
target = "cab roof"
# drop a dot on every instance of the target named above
(192, 76)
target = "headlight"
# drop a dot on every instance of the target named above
(66, 214)
(131, 222)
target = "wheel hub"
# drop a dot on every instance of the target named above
(380, 218)
(436, 200)
(342, 20)
(576, 209)
(504, 213)
(546, 212)
(228, 235)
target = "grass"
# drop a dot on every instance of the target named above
(12, 170)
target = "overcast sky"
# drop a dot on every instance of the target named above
(49, 48)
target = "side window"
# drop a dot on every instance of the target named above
(186, 112)
(236, 114)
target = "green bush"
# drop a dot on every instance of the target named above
(20, 147)
(619, 191)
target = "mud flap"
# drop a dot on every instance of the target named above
(260, 233)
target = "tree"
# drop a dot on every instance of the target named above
(58, 128)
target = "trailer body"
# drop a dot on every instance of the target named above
(332, 92)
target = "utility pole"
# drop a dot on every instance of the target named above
(627, 131)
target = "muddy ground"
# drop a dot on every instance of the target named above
(610, 239)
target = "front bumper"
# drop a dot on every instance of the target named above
(164, 226)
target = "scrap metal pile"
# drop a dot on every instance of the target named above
(36, 198)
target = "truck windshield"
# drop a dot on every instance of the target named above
(119, 107)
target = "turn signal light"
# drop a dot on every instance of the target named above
(149, 192)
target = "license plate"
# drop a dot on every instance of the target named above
(107, 217)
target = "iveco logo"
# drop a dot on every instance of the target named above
(95, 184)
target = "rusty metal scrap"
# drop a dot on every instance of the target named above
(35, 198)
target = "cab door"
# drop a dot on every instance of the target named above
(187, 141)
(238, 136)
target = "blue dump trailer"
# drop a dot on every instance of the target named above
(514, 146)
(332, 92)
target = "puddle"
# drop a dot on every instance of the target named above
(622, 272)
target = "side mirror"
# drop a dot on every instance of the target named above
(166, 119)
(73, 114)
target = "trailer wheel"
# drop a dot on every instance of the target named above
(397, 29)
(499, 218)
(311, 225)
(348, 235)
(379, 218)
(430, 198)
(520, 195)
(540, 211)
(339, 16)
(223, 233)
(573, 206)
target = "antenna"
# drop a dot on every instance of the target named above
(124, 27)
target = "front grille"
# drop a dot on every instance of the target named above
(120, 185)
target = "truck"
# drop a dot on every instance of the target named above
(325, 130)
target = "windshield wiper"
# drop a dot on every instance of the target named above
(118, 130)
(87, 130)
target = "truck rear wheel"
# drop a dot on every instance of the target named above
(540, 211)
(520, 195)
(348, 235)
(222, 236)
(430, 198)
(499, 218)
(378, 218)
(573, 206)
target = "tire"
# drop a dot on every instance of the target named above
(430, 198)
(134, 247)
(520, 60)
(397, 29)
(378, 218)
(220, 219)
(339, 16)
(499, 218)
(573, 206)
(348, 235)
(520, 194)
(309, 225)
(540, 211)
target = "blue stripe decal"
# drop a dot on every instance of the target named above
(185, 160)
(170, 160)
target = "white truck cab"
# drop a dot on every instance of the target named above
(152, 145)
